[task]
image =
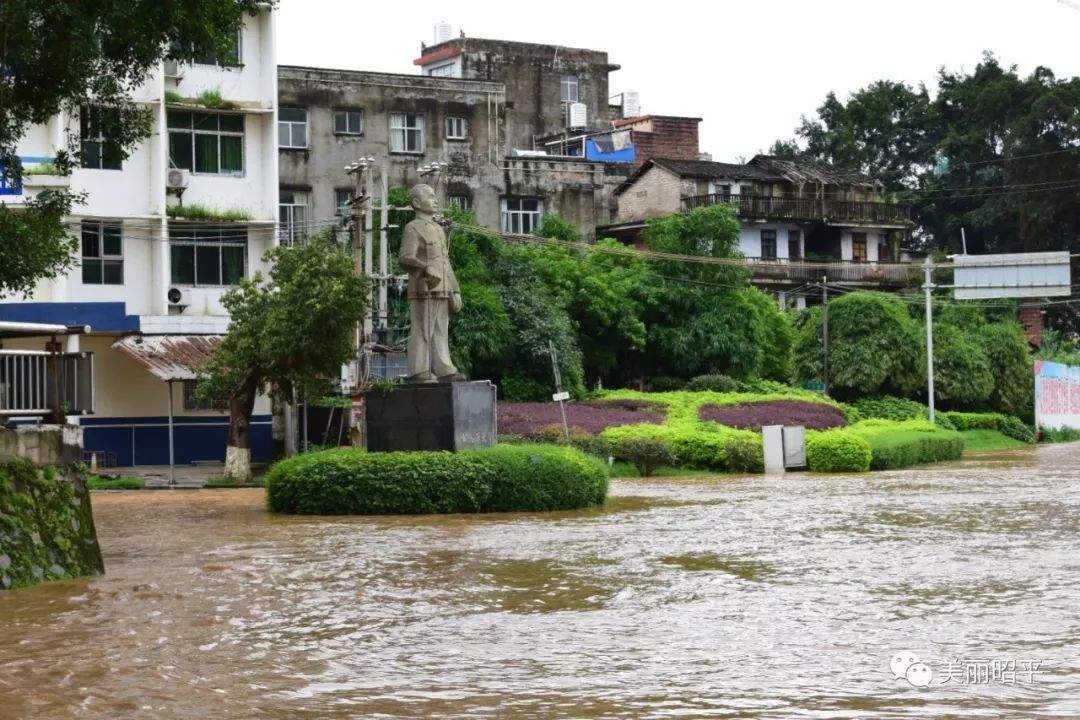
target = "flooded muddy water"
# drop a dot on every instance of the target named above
(715, 597)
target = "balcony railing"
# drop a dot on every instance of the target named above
(35, 382)
(799, 208)
(800, 271)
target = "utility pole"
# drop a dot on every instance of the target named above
(928, 284)
(560, 396)
(384, 250)
(825, 331)
(361, 249)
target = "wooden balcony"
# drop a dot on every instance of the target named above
(764, 207)
(800, 271)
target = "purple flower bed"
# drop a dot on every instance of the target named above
(775, 412)
(590, 417)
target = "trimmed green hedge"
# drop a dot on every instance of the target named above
(705, 446)
(350, 481)
(1005, 424)
(892, 445)
(837, 451)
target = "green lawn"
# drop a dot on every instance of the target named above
(124, 482)
(989, 441)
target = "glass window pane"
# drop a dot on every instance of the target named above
(232, 123)
(206, 153)
(232, 154)
(356, 122)
(292, 114)
(283, 135)
(111, 156)
(111, 242)
(397, 140)
(299, 135)
(207, 265)
(183, 264)
(205, 121)
(178, 119)
(180, 150)
(91, 272)
(341, 122)
(90, 154)
(90, 244)
(113, 272)
(232, 264)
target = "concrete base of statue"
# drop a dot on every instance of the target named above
(431, 416)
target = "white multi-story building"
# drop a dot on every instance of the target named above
(163, 235)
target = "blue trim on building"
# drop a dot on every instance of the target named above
(145, 440)
(100, 316)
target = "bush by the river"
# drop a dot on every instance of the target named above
(891, 444)
(351, 481)
(1007, 425)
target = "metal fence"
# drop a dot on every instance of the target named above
(34, 382)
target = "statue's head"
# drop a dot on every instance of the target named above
(423, 199)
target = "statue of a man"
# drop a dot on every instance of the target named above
(433, 292)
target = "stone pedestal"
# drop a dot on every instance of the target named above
(431, 416)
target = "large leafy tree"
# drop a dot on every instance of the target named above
(290, 332)
(63, 55)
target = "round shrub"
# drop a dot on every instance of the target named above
(890, 408)
(351, 481)
(744, 454)
(837, 451)
(644, 453)
(1016, 428)
(716, 383)
(666, 383)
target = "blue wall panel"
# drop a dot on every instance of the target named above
(145, 441)
(100, 316)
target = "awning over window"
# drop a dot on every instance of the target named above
(168, 357)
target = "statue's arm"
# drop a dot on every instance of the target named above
(410, 248)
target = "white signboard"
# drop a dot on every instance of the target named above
(1057, 395)
(557, 397)
(1012, 275)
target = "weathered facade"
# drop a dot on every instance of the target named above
(541, 81)
(789, 210)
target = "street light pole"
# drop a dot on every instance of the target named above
(928, 284)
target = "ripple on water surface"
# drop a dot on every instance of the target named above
(727, 597)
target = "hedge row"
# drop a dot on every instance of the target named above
(705, 446)
(350, 481)
(882, 445)
(1005, 424)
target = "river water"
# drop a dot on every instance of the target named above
(733, 597)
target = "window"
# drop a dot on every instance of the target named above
(102, 253)
(406, 133)
(722, 189)
(521, 215)
(292, 212)
(884, 251)
(858, 247)
(461, 202)
(230, 57)
(746, 189)
(207, 255)
(445, 70)
(292, 128)
(768, 244)
(343, 202)
(348, 122)
(568, 88)
(210, 143)
(456, 128)
(794, 245)
(96, 149)
(191, 402)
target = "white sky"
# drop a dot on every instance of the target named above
(750, 68)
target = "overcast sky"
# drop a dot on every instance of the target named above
(750, 68)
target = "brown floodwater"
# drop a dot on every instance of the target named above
(683, 597)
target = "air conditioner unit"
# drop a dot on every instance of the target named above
(179, 296)
(576, 115)
(178, 178)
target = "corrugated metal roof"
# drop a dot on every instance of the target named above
(800, 171)
(168, 357)
(708, 169)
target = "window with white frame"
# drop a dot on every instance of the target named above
(230, 57)
(292, 128)
(97, 149)
(211, 143)
(461, 202)
(406, 133)
(445, 70)
(213, 255)
(521, 214)
(343, 202)
(348, 122)
(457, 128)
(292, 214)
(102, 253)
(568, 88)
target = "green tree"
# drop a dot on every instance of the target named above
(875, 346)
(779, 336)
(962, 374)
(1011, 366)
(64, 55)
(289, 333)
